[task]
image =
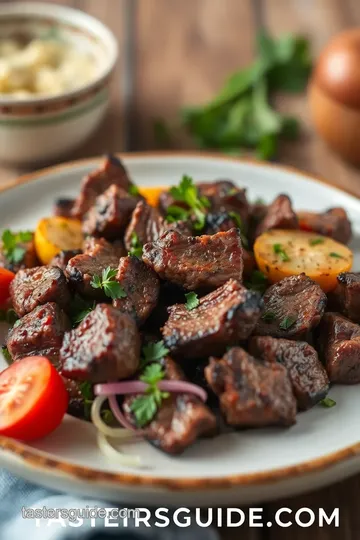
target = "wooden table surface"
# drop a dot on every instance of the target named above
(177, 52)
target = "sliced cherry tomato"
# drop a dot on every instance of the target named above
(6, 278)
(33, 399)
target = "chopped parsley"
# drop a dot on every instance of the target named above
(133, 190)
(268, 316)
(145, 407)
(11, 244)
(327, 402)
(9, 316)
(257, 281)
(186, 192)
(279, 250)
(239, 223)
(336, 255)
(153, 352)
(316, 241)
(192, 301)
(108, 284)
(136, 247)
(287, 322)
(6, 354)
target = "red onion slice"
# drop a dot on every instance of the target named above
(139, 387)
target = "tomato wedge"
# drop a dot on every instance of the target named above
(6, 278)
(33, 399)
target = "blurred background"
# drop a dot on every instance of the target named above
(179, 53)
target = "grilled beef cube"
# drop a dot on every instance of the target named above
(346, 296)
(249, 263)
(308, 377)
(63, 207)
(76, 406)
(203, 262)
(61, 259)
(251, 393)
(292, 307)
(28, 260)
(80, 270)
(146, 223)
(39, 333)
(339, 348)
(110, 214)
(279, 215)
(224, 317)
(334, 223)
(141, 286)
(94, 184)
(219, 221)
(104, 347)
(40, 285)
(180, 420)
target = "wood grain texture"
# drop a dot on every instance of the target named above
(185, 50)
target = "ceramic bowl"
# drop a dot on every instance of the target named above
(43, 128)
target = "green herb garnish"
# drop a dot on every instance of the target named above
(79, 309)
(268, 316)
(153, 352)
(192, 301)
(6, 354)
(9, 316)
(279, 250)
(257, 282)
(327, 402)
(186, 192)
(239, 223)
(136, 247)
(108, 284)
(145, 406)
(287, 322)
(242, 115)
(133, 190)
(336, 255)
(11, 247)
(316, 241)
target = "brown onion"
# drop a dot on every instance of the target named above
(334, 95)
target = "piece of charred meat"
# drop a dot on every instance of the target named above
(308, 377)
(112, 171)
(292, 307)
(251, 393)
(180, 420)
(61, 259)
(40, 285)
(202, 262)
(279, 215)
(146, 224)
(64, 207)
(224, 317)
(339, 348)
(141, 286)
(104, 347)
(110, 214)
(346, 296)
(219, 222)
(333, 223)
(27, 258)
(81, 269)
(39, 333)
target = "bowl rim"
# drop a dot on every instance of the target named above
(76, 18)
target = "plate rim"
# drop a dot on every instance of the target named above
(35, 458)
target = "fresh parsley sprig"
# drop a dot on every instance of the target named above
(145, 407)
(136, 247)
(192, 301)
(186, 192)
(108, 284)
(11, 244)
(153, 352)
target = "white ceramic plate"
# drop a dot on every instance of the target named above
(255, 465)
